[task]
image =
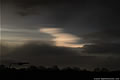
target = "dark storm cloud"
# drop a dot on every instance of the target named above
(47, 55)
(105, 35)
(103, 42)
(83, 15)
(4, 49)
(97, 18)
(36, 52)
(40, 48)
(103, 48)
(96, 22)
(99, 12)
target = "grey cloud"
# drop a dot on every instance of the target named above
(105, 35)
(4, 49)
(41, 48)
(106, 41)
(95, 21)
(102, 48)
(82, 16)
(47, 55)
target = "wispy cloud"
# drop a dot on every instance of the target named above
(61, 38)
(17, 30)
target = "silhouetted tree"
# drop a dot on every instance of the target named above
(76, 69)
(104, 70)
(97, 70)
(2, 67)
(54, 68)
(42, 68)
(18, 64)
(67, 69)
(32, 68)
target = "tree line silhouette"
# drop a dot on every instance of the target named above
(35, 72)
(53, 68)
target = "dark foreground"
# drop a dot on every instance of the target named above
(42, 73)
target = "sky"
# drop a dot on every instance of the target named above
(84, 33)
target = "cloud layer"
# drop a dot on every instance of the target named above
(61, 38)
(94, 23)
(47, 55)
